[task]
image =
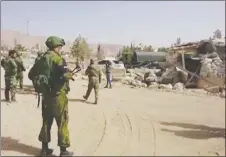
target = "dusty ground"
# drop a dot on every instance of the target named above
(125, 122)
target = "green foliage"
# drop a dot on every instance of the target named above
(80, 49)
(217, 34)
(20, 48)
(147, 48)
(100, 53)
(178, 42)
(162, 49)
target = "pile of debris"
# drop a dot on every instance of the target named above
(212, 66)
(171, 78)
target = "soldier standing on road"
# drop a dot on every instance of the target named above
(20, 70)
(108, 74)
(10, 67)
(94, 75)
(55, 101)
(39, 54)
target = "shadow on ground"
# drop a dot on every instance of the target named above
(10, 144)
(27, 89)
(80, 100)
(195, 131)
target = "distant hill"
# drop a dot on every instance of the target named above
(10, 38)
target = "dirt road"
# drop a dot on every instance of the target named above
(125, 122)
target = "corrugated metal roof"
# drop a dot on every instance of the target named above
(143, 53)
(150, 56)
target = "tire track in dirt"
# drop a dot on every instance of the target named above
(115, 134)
(133, 143)
(90, 134)
(154, 134)
(103, 134)
(141, 139)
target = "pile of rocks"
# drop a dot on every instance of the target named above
(169, 80)
(212, 66)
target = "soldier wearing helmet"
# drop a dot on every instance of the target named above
(94, 75)
(55, 101)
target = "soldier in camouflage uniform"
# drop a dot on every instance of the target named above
(55, 102)
(10, 67)
(39, 54)
(20, 70)
(94, 75)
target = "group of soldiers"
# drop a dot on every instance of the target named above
(50, 77)
(14, 68)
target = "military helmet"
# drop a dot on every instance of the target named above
(18, 53)
(54, 41)
(11, 52)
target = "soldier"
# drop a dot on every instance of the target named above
(10, 67)
(20, 70)
(55, 101)
(108, 74)
(39, 54)
(77, 67)
(94, 75)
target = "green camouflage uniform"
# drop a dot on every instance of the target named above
(10, 68)
(20, 69)
(94, 75)
(55, 103)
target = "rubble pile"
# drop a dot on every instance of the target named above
(169, 80)
(212, 66)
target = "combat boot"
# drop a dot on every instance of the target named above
(64, 152)
(7, 96)
(84, 97)
(95, 102)
(45, 150)
(13, 99)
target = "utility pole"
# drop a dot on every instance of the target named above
(27, 27)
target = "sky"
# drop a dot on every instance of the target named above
(156, 23)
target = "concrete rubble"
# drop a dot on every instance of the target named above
(212, 66)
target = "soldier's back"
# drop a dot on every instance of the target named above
(10, 67)
(93, 71)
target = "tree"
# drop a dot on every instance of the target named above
(178, 42)
(217, 34)
(119, 55)
(19, 47)
(127, 49)
(100, 52)
(162, 49)
(147, 48)
(80, 49)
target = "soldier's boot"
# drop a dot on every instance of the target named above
(7, 96)
(45, 150)
(65, 152)
(85, 97)
(13, 95)
(110, 87)
(96, 101)
(13, 98)
(106, 86)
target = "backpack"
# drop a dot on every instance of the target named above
(40, 75)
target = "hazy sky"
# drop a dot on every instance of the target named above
(117, 22)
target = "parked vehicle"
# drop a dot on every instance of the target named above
(118, 69)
